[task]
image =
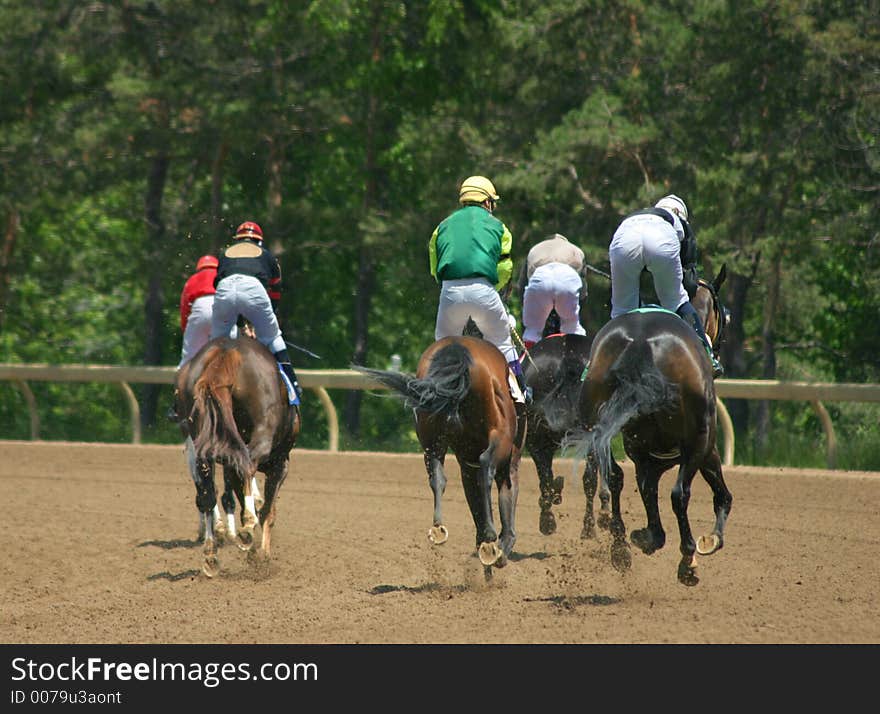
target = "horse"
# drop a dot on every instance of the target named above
(553, 368)
(649, 378)
(234, 405)
(461, 400)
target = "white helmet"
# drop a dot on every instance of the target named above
(673, 204)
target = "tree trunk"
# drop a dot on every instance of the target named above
(9, 237)
(366, 268)
(733, 347)
(153, 312)
(768, 334)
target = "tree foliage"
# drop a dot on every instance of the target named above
(136, 135)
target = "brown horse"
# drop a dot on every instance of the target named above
(461, 401)
(650, 378)
(234, 406)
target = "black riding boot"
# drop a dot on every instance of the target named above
(284, 360)
(687, 312)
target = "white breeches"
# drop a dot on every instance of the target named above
(554, 285)
(245, 295)
(645, 242)
(198, 328)
(477, 299)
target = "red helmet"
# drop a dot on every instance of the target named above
(207, 261)
(249, 229)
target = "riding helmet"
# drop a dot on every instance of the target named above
(249, 229)
(477, 189)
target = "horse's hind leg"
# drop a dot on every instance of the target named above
(681, 496)
(434, 456)
(206, 501)
(652, 537)
(477, 480)
(275, 475)
(230, 486)
(507, 479)
(722, 500)
(621, 558)
(542, 455)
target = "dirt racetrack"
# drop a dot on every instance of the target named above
(101, 549)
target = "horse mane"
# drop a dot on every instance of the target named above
(218, 437)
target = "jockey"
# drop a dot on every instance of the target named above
(469, 254)
(661, 240)
(555, 280)
(196, 307)
(248, 283)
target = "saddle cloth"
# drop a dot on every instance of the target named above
(292, 397)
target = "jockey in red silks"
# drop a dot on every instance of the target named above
(196, 308)
(248, 283)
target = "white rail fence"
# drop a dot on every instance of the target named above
(319, 381)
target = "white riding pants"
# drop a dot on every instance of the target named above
(645, 241)
(198, 328)
(245, 295)
(554, 285)
(475, 298)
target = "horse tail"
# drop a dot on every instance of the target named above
(638, 388)
(442, 389)
(218, 437)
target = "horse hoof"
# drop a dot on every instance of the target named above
(489, 553)
(687, 571)
(621, 558)
(211, 566)
(438, 534)
(220, 532)
(245, 539)
(644, 541)
(708, 544)
(604, 520)
(588, 532)
(547, 523)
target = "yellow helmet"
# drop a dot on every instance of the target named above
(477, 189)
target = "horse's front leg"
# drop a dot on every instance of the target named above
(722, 500)
(591, 482)
(206, 502)
(228, 501)
(434, 458)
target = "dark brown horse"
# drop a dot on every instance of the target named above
(553, 369)
(650, 378)
(461, 399)
(234, 406)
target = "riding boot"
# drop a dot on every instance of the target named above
(687, 312)
(516, 368)
(284, 361)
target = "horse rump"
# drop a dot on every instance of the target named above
(217, 437)
(636, 388)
